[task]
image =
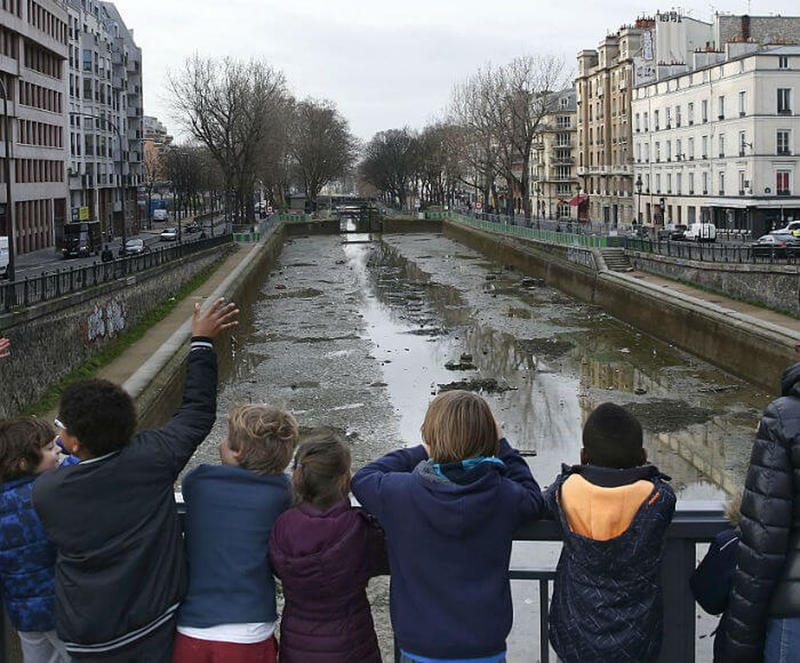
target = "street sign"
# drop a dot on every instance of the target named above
(478, 205)
(83, 214)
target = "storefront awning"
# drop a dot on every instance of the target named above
(578, 200)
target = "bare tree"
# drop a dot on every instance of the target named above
(151, 176)
(321, 146)
(390, 164)
(228, 105)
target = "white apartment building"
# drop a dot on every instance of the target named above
(553, 172)
(105, 116)
(721, 143)
(33, 48)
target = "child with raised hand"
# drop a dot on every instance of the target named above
(229, 611)
(325, 551)
(450, 508)
(27, 558)
(613, 510)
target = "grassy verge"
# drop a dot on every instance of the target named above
(118, 345)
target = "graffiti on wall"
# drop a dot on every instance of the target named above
(105, 321)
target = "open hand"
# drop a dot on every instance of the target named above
(215, 320)
(5, 348)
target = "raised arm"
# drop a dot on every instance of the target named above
(531, 502)
(177, 440)
(366, 483)
(764, 542)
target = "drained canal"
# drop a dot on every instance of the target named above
(359, 333)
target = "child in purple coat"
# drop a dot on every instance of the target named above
(325, 551)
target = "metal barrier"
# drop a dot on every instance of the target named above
(712, 252)
(52, 285)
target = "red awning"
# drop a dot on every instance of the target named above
(578, 200)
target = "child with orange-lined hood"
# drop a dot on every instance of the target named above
(613, 509)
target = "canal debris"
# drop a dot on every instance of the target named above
(464, 363)
(663, 416)
(529, 282)
(480, 385)
(718, 389)
(305, 293)
(544, 347)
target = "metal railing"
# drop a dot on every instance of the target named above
(52, 285)
(694, 523)
(715, 252)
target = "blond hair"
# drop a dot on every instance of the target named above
(459, 425)
(264, 437)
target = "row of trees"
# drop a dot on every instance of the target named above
(247, 128)
(483, 141)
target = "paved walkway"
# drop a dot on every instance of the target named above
(753, 311)
(119, 370)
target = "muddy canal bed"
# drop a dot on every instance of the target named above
(361, 335)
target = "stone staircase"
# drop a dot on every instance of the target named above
(616, 260)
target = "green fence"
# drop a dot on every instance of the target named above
(294, 218)
(549, 236)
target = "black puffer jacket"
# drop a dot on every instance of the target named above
(767, 579)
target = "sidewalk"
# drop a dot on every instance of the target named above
(124, 366)
(757, 312)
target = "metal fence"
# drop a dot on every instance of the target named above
(51, 285)
(714, 252)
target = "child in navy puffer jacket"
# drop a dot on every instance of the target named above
(27, 558)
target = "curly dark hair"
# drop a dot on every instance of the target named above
(99, 413)
(21, 443)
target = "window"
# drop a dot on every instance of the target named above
(677, 116)
(783, 140)
(647, 183)
(669, 182)
(705, 147)
(742, 142)
(647, 152)
(668, 117)
(669, 150)
(721, 145)
(646, 124)
(87, 59)
(742, 183)
(638, 152)
(678, 183)
(782, 183)
(783, 62)
(655, 120)
(636, 122)
(705, 110)
(678, 152)
(690, 113)
(784, 100)
(705, 183)
(691, 148)
(721, 107)
(658, 182)
(691, 184)
(722, 183)
(658, 151)
(742, 103)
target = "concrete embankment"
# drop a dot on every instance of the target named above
(745, 345)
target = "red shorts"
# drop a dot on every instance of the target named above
(192, 650)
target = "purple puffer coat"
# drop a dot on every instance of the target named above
(324, 560)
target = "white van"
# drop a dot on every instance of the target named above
(3, 257)
(701, 232)
(159, 214)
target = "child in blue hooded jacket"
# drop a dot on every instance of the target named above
(27, 558)
(450, 508)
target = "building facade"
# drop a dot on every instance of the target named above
(105, 116)
(720, 143)
(553, 171)
(33, 51)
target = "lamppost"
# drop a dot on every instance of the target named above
(121, 186)
(12, 249)
(639, 199)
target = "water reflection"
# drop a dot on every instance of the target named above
(698, 420)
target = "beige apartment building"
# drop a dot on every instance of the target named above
(553, 172)
(33, 50)
(603, 86)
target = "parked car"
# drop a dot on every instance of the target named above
(791, 228)
(169, 235)
(701, 232)
(192, 227)
(776, 245)
(673, 232)
(133, 247)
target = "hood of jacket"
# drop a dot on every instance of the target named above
(462, 499)
(790, 381)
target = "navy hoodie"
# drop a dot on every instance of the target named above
(449, 541)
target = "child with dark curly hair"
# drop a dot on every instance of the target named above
(27, 558)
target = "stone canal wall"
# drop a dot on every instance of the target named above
(774, 286)
(51, 339)
(755, 350)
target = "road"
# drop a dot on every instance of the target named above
(48, 260)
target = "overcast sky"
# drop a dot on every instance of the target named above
(384, 63)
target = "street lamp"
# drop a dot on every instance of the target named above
(639, 198)
(12, 249)
(121, 187)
